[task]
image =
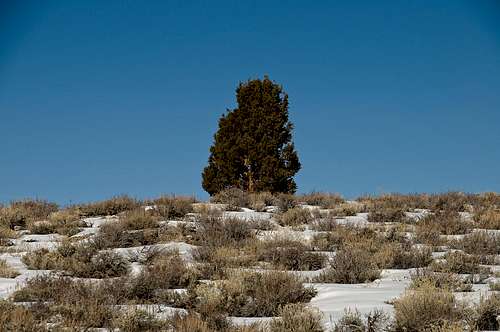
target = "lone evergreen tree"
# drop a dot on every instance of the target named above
(253, 148)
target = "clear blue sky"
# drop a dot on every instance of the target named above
(106, 97)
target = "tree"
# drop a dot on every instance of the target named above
(253, 148)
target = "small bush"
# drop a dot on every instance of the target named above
(425, 308)
(234, 199)
(387, 215)
(295, 217)
(109, 207)
(214, 231)
(347, 209)
(351, 265)
(117, 235)
(297, 318)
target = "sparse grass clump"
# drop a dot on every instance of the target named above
(109, 207)
(65, 222)
(480, 243)
(295, 217)
(259, 201)
(403, 256)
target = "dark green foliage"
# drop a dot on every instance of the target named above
(253, 148)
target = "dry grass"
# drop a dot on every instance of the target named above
(233, 198)
(442, 280)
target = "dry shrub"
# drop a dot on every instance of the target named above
(350, 265)
(109, 207)
(234, 198)
(297, 318)
(295, 217)
(487, 313)
(173, 206)
(290, 255)
(425, 308)
(323, 200)
(442, 280)
(387, 215)
(251, 294)
(6, 271)
(488, 219)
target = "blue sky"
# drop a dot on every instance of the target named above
(101, 98)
